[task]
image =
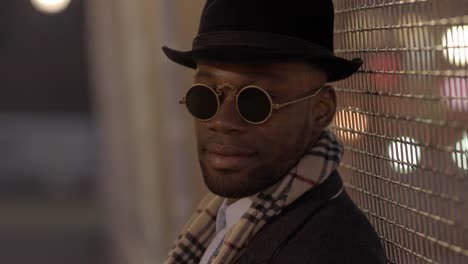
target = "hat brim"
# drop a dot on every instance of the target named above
(337, 68)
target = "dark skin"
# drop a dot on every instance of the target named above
(239, 159)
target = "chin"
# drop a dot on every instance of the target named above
(237, 184)
(229, 184)
(232, 194)
(225, 185)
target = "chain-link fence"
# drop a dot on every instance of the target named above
(404, 121)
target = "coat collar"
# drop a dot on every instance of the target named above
(283, 227)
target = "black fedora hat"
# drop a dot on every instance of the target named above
(267, 30)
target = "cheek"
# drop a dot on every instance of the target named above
(200, 130)
(287, 133)
(197, 128)
(292, 121)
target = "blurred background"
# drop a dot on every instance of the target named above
(89, 126)
(48, 137)
(98, 161)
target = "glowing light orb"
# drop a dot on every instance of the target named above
(384, 64)
(410, 35)
(350, 120)
(405, 153)
(455, 44)
(460, 155)
(50, 6)
(456, 91)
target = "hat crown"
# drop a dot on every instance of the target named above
(309, 20)
(262, 31)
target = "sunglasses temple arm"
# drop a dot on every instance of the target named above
(182, 100)
(278, 106)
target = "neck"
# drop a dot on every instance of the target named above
(231, 201)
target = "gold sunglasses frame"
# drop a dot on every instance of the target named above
(219, 91)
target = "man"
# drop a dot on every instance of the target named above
(261, 107)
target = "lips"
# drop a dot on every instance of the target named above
(228, 157)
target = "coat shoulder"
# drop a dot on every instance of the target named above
(337, 233)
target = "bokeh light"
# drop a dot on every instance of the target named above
(405, 153)
(455, 44)
(50, 6)
(460, 155)
(455, 89)
(411, 35)
(350, 120)
(384, 65)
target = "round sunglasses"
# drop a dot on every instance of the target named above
(254, 104)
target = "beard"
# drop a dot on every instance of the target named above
(247, 181)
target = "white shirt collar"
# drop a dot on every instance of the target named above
(228, 215)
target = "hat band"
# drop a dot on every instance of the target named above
(265, 40)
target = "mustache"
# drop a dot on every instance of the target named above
(227, 141)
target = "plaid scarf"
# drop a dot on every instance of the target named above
(313, 168)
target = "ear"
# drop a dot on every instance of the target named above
(324, 107)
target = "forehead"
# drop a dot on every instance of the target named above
(275, 71)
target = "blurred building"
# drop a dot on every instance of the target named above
(88, 128)
(150, 176)
(48, 139)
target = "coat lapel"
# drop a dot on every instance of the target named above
(275, 234)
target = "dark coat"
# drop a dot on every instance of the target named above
(316, 230)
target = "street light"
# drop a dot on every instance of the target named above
(50, 6)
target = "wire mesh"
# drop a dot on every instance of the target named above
(404, 121)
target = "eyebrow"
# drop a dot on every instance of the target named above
(200, 74)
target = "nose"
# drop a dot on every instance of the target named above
(227, 119)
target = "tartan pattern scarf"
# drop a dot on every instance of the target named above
(313, 168)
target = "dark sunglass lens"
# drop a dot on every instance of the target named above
(201, 102)
(254, 104)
